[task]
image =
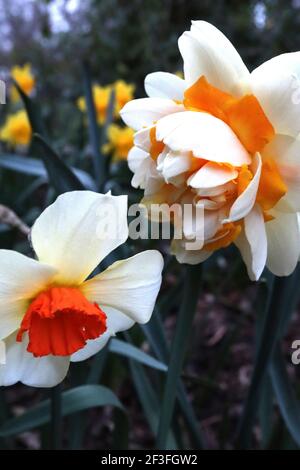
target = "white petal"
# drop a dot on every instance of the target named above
(252, 243)
(217, 190)
(92, 347)
(212, 224)
(146, 176)
(135, 158)
(244, 203)
(283, 243)
(130, 286)
(172, 164)
(203, 134)
(21, 278)
(276, 84)
(206, 51)
(184, 256)
(116, 321)
(193, 223)
(211, 205)
(211, 175)
(144, 112)
(22, 366)
(200, 223)
(78, 231)
(154, 182)
(285, 150)
(164, 85)
(142, 139)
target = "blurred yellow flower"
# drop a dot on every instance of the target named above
(124, 93)
(120, 141)
(25, 79)
(17, 129)
(101, 96)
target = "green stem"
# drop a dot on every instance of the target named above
(56, 418)
(183, 327)
(276, 310)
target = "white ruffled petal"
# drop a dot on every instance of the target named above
(164, 85)
(276, 84)
(252, 243)
(285, 150)
(283, 243)
(203, 134)
(144, 112)
(184, 256)
(206, 51)
(212, 175)
(245, 202)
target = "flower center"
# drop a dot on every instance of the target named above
(60, 320)
(244, 115)
(246, 118)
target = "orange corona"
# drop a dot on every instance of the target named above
(60, 320)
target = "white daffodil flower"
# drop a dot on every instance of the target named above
(230, 140)
(51, 312)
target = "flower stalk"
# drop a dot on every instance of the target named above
(185, 318)
(56, 418)
(276, 311)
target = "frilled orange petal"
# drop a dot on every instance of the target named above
(228, 233)
(244, 115)
(59, 321)
(247, 119)
(156, 146)
(271, 186)
(205, 97)
(243, 179)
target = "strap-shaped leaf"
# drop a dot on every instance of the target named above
(60, 175)
(285, 395)
(74, 400)
(183, 328)
(149, 400)
(128, 350)
(154, 332)
(34, 167)
(97, 136)
(276, 311)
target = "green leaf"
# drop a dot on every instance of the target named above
(128, 350)
(277, 309)
(154, 333)
(34, 167)
(266, 412)
(33, 112)
(77, 399)
(286, 397)
(148, 399)
(60, 175)
(183, 327)
(97, 136)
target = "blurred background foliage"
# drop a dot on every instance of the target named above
(124, 40)
(127, 40)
